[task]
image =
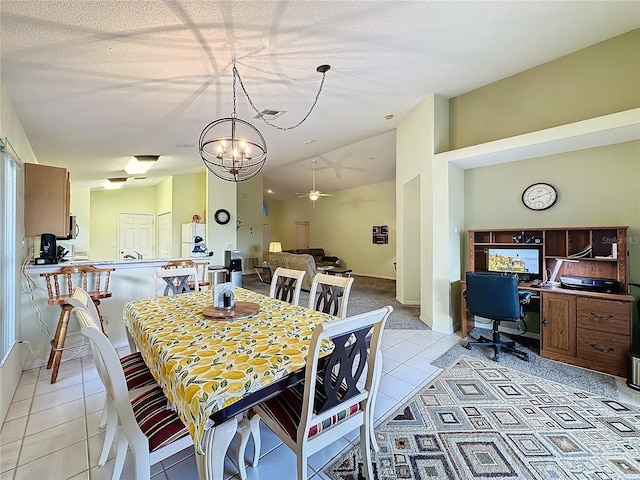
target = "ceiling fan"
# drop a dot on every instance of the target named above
(313, 194)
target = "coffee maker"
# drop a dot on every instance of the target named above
(48, 249)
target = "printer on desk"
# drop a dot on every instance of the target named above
(602, 285)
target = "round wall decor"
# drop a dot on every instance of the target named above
(539, 196)
(222, 216)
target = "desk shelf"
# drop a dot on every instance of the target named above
(560, 242)
(588, 329)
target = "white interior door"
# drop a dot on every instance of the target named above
(165, 234)
(136, 235)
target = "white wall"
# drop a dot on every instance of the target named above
(11, 128)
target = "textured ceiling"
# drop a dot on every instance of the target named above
(95, 82)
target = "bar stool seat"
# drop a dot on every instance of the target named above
(60, 287)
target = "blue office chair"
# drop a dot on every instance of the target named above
(496, 296)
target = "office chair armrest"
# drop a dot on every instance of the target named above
(525, 296)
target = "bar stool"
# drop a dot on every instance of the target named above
(60, 287)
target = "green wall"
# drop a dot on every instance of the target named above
(342, 225)
(597, 187)
(105, 207)
(595, 81)
(182, 195)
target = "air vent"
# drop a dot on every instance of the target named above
(270, 114)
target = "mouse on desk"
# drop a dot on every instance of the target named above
(537, 284)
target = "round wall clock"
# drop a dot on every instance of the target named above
(222, 216)
(539, 196)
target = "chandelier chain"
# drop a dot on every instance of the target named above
(236, 73)
(234, 114)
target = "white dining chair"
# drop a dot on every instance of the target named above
(137, 375)
(173, 281)
(330, 294)
(286, 285)
(332, 401)
(153, 431)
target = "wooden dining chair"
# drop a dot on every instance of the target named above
(174, 281)
(153, 431)
(201, 267)
(330, 294)
(311, 415)
(60, 286)
(136, 374)
(286, 285)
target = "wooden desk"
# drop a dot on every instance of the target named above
(213, 370)
(588, 329)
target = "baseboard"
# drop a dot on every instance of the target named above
(10, 372)
(372, 276)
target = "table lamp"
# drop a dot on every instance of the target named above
(275, 247)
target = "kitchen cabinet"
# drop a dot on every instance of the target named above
(46, 200)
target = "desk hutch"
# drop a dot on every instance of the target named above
(584, 328)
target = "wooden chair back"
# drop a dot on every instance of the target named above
(93, 280)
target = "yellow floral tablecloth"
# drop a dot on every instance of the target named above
(204, 365)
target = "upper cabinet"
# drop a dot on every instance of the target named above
(46, 200)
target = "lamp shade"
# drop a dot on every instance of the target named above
(275, 247)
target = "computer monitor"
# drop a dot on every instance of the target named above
(525, 262)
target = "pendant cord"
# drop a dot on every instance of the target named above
(235, 72)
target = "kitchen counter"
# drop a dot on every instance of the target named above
(117, 264)
(131, 280)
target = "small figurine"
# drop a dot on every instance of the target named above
(195, 218)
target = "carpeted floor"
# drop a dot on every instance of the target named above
(481, 420)
(367, 293)
(589, 380)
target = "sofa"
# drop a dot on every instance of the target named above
(318, 255)
(303, 261)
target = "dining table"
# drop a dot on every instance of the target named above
(213, 369)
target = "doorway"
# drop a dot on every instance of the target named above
(302, 235)
(136, 236)
(266, 239)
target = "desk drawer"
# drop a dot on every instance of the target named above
(604, 348)
(604, 315)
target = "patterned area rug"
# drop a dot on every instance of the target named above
(481, 420)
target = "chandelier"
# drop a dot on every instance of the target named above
(233, 149)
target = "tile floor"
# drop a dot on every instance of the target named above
(51, 431)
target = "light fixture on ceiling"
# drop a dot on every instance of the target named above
(141, 164)
(114, 183)
(233, 149)
(313, 194)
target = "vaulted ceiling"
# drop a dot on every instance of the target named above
(95, 82)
